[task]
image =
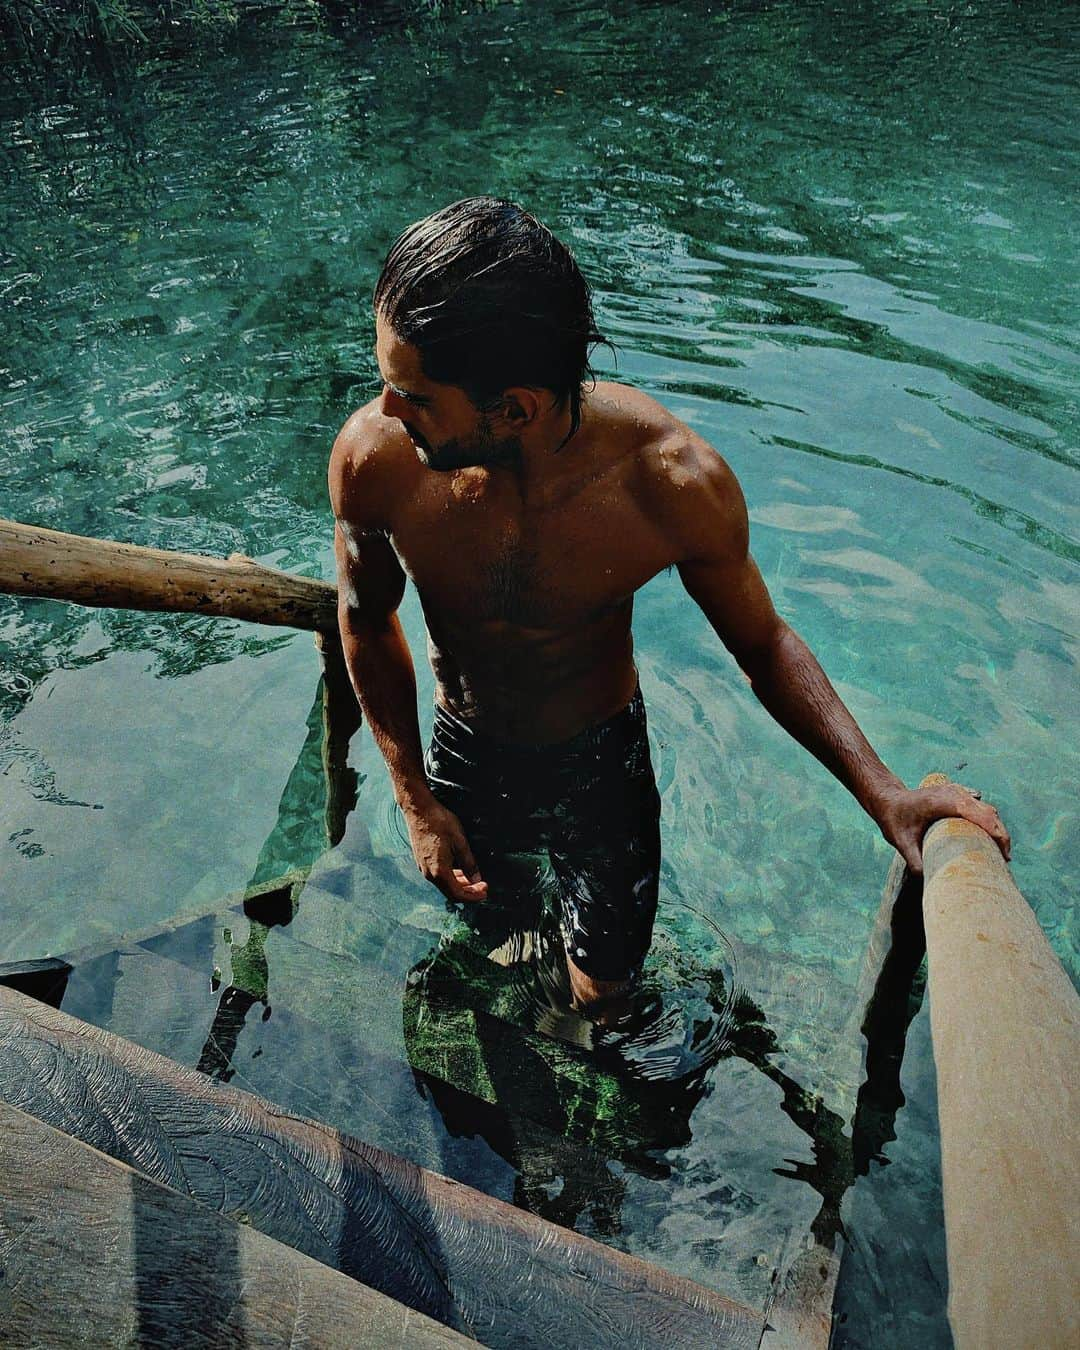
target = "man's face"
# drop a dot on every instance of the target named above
(446, 428)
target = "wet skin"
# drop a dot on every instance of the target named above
(526, 549)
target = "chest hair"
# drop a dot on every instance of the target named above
(510, 581)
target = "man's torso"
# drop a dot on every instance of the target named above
(528, 602)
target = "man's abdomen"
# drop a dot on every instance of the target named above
(535, 687)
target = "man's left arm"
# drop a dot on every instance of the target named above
(721, 576)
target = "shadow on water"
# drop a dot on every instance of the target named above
(297, 833)
(322, 787)
(496, 1047)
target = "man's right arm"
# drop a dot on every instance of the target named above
(371, 584)
(377, 656)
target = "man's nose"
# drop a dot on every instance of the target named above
(390, 405)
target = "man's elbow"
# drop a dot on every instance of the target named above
(769, 653)
(362, 622)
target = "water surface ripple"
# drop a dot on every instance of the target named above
(839, 240)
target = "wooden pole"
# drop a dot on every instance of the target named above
(99, 572)
(1005, 1020)
(341, 719)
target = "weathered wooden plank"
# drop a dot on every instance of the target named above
(466, 1259)
(100, 572)
(1005, 1021)
(94, 1254)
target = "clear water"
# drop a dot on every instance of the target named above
(841, 242)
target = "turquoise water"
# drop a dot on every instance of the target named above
(841, 242)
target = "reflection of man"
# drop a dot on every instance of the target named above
(528, 509)
(560, 1106)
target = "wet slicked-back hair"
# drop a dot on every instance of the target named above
(491, 299)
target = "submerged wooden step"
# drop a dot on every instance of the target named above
(450, 1079)
(472, 1262)
(94, 1254)
(371, 1092)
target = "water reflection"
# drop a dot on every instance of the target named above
(500, 1067)
(321, 770)
(497, 1047)
(249, 982)
(572, 1107)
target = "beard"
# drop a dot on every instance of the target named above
(482, 450)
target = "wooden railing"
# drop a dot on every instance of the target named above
(1005, 1021)
(99, 572)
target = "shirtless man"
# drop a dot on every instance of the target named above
(528, 506)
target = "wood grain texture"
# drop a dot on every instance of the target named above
(94, 1254)
(100, 572)
(1005, 1021)
(472, 1262)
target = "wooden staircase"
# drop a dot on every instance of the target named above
(300, 994)
(463, 1259)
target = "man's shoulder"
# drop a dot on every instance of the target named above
(684, 484)
(631, 411)
(670, 456)
(369, 464)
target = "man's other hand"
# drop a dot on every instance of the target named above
(906, 814)
(443, 854)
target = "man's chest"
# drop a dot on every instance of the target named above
(550, 569)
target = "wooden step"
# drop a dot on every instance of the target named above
(95, 1254)
(470, 1095)
(472, 1262)
(445, 1077)
(321, 1053)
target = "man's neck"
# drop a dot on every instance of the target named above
(538, 469)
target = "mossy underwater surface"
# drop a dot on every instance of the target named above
(838, 241)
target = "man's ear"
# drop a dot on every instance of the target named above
(520, 406)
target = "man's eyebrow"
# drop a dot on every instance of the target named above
(404, 393)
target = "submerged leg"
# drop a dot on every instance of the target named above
(603, 1001)
(606, 855)
(608, 891)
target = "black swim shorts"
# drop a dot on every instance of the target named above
(590, 803)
